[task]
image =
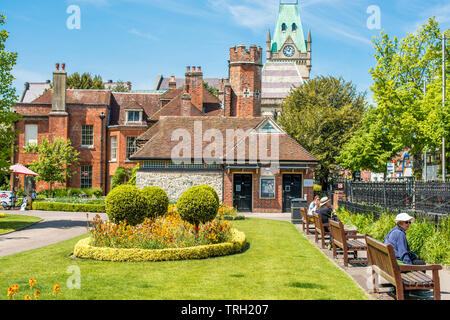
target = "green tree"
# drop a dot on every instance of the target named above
(85, 81)
(322, 115)
(7, 99)
(122, 176)
(120, 88)
(401, 68)
(55, 160)
(212, 90)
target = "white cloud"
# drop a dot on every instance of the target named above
(144, 35)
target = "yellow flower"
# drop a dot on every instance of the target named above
(32, 282)
(37, 293)
(56, 289)
(27, 297)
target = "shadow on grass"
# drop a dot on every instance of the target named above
(305, 285)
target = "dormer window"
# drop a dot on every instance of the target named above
(294, 27)
(284, 27)
(134, 116)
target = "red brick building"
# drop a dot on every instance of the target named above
(259, 169)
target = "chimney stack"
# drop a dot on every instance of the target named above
(172, 83)
(194, 82)
(59, 91)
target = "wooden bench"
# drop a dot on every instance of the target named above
(404, 277)
(319, 229)
(347, 241)
(306, 221)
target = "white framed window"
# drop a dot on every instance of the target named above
(267, 188)
(87, 135)
(113, 148)
(134, 116)
(131, 146)
(31, 134)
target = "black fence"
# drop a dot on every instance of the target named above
(421, 198)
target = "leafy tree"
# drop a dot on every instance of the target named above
(7, 99)
(85, 81)
(402, 66)
(322, 115)
(120, 88)
(55, 160)
(121, 176)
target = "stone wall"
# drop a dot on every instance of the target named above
(175, 183)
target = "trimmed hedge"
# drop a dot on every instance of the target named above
(85, 251)
(68, 207)
(128, 203)
(159, 201)
(198, 205)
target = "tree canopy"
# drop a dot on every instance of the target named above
(405, 117)
(7, 99)
(322, 115)
(85, 81)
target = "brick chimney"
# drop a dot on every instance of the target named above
(194, 77)
(172, 83)
(186, 102)
(59, 90)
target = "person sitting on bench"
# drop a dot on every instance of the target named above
(397, 238)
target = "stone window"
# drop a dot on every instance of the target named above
(267, 188)
(86, 177)
(131, 146)
(113, 148)
(257, 94)
(31, 134)
(87, 136)
(246, 93)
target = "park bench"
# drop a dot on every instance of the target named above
(404, 277)
(347, 240)
(319, 229)
(307, 221)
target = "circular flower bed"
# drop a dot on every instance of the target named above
(168, 237)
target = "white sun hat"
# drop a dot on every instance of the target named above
(404, 217)
(324, 201)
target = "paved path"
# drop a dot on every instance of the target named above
(359, 273)
(55, 227)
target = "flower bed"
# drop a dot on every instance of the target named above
(84, 249)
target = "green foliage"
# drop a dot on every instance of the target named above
(85, 81)
(436, 249)
(120, 88)
(212, 190)
(417, 235)
(159, 201)
(55, 160)
(132, 180)
(198, 205)
(212, 90)
(121, 176)
(322, 115)
(7, 99)
(68, 207)
(127, 203)
(382, 226)
(404, 118)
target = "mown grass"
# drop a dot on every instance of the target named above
(280, 263)
(12, 222)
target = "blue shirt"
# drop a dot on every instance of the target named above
(397, 238)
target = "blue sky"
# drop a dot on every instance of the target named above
(135, 40)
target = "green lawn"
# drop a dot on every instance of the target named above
(13, 222)
(279, 264)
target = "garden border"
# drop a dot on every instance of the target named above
(84, 251)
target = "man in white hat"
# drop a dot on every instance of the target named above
(397, 238)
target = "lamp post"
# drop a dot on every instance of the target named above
(102, 117)
(443, 103)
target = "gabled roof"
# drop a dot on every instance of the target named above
(81, 96)
(160, 144)
(121, 102)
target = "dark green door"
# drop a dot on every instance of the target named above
(292, 189)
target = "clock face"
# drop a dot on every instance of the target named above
(289, 51)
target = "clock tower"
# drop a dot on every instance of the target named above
(288, 61)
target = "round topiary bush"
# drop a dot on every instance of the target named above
(198, 205)
(127, 203)
(159, 201)
(214, 192)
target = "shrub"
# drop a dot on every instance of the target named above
(68, 207)
(417, 234)
(75, 192)
(382, 227)
(198, 205)
(60, 193)
(97, 192)
(214, 192)
(127, 202)
(158, 199)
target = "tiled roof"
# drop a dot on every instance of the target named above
(34, 91)
(74, 96)
(164, 85)
(160, 145)
(121, 102)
